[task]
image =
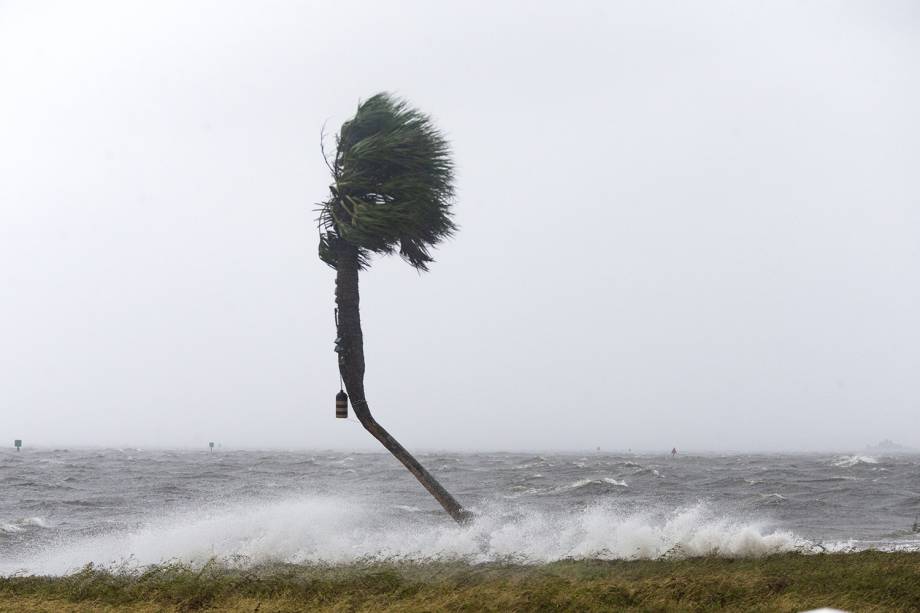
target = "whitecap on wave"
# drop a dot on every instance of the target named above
(586, 482)
(23, 524)
(853, 460)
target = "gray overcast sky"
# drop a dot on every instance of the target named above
(691, 224)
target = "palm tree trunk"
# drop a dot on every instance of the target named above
(351, 366)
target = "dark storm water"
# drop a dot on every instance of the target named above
(60, 509)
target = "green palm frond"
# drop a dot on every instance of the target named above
(393, 185)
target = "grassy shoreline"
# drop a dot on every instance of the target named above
(866, 581)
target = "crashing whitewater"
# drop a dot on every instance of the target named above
(328, 530)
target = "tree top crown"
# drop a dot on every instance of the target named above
(392, 185)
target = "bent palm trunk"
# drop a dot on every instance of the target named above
(351, 366)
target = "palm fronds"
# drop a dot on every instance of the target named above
(393, 185)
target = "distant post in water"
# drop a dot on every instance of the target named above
(211, 447)
(17, 443)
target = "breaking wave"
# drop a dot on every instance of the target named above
(337, 531)
(21, 525)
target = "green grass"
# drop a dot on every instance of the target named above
(867, 581)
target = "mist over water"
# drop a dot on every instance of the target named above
(136, 507)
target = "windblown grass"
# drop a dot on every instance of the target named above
(867, 581)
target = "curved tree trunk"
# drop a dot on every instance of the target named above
(351, 366)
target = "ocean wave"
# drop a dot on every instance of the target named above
(21, 525)
(580, 484)
(334, 530)
(853, 460)
(534, 462)
(520, 491)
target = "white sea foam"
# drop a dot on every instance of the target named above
(333, 530)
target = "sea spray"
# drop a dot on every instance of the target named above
(335, 530)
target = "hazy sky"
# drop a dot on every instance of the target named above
(691, 224)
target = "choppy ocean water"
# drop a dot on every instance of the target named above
(61, 509)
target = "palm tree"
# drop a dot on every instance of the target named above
(392, 191)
